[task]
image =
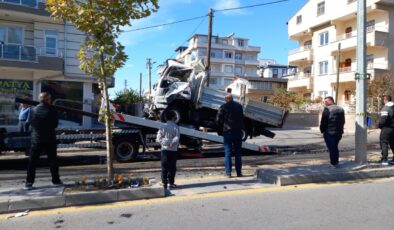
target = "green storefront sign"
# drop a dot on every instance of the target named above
(16, 86)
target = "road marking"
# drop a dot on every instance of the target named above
(171, 199)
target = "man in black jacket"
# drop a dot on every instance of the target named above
(44, 121)
(230, 119)
(386, 124)
(331, 125)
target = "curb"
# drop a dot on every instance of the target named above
(82, 198)
(283, 177)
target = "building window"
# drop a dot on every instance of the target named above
(241, 42)
(225, 42)
(213, 81)
(320, 8)
(370, 25)
(323, 67)
(238, 70)
(275, 73)
(369, 59)
(238, 56)
(299, 19)
(264, 98)
(348, 95)
(202, 39)
(323, 38)
(228, 69)
(228, 54)
(216, 54)
(11, 35)
(227, 81)
(51, 42)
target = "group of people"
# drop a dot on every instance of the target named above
(43, 120)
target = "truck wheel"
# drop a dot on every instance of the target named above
(177, 112)
(125, 150)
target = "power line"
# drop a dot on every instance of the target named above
(204, 16)
(251, 6)
(166, 24)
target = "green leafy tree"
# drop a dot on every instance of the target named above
(101, 55)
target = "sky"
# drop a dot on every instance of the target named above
(265, 26)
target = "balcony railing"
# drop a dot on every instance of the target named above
(301, 49)
(26, 53)
(369, 29)
(298, 76)
(30, 3)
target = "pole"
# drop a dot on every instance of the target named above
(149, 65)
(140, 86)
(361, 92)
(208, 66)
(338, 65)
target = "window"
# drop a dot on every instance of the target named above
(299, 19)
(323, 67)
(238, 56)
(369, 59)
(227, 81)
(275, 73)
(260, 85)
(320, 8)
(370, 25)
(323, 38)
(15, 35)
(228, 69)
(216, 54)
(202, 39)
(3, 32)
(51, 42)
(241, 42)
(225, 42)
(238, 70)
(264, 98)
(228, 54)
(213, 81)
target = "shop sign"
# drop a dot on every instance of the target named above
(16, 86)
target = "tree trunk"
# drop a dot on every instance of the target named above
(108, 125)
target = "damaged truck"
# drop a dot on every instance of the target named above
(182, 89)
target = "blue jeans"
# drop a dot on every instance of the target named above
(233, 142)
(332, 141)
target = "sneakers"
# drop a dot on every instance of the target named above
(384, 162)
(240, 175)
(28, 186)
(58, 183)
(334, 166)
(173, 186)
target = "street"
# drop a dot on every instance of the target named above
(329, 206)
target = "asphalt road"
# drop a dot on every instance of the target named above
(360, 206)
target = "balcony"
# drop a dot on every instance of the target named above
(299, 80)
(25, 9)
(29, 3)
(30, 57)
(376, 37)
(347, 74)
(300, 55)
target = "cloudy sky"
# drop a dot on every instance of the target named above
(265, 26)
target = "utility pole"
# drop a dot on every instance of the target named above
(149, 66)
(125, 85)
(361, 85)
(208, 66)
(338, 68)
(140, 86)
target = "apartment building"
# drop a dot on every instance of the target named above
(231, 57)
(319, 27)
(38, 53)
(269, 68)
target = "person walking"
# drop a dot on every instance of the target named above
(24, 118)
(44, 121)
(386, 124)
(331, 126)
(230, 121)
(168, 137)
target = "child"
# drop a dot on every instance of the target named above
(168, 137)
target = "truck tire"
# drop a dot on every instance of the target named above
(177, 112)
(125, 150)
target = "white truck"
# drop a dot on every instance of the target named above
(183, 90)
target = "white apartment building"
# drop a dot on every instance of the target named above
(269, 68)
(38, 53)
(319, 26)
(231, 57)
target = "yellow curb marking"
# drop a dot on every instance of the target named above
(166, 200)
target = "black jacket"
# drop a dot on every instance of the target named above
(332, 120)
(44, 121)
(387, 116)
(230, 117)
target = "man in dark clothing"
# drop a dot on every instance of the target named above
(386, 124)
(331, 125)
(44, 121)
(230, 121)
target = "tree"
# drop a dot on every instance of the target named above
(101, 55)
(127, 97)
(283, 98)
(376, 88)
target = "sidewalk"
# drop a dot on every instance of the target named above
(290, 171)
